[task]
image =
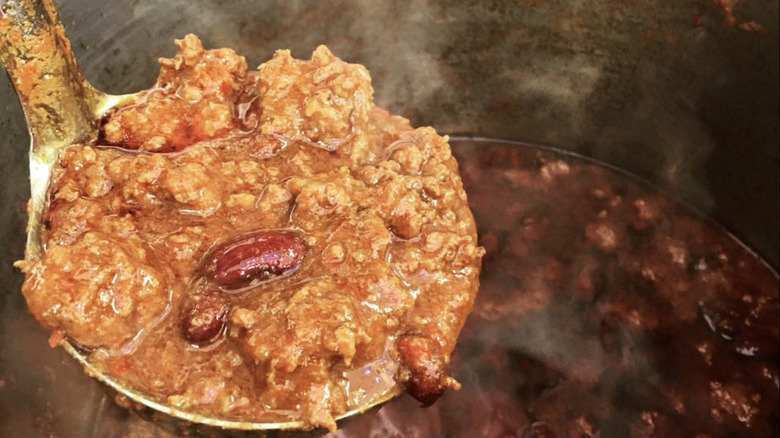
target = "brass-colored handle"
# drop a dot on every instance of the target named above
(59, 104)
(61, 107)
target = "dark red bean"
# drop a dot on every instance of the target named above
(205, 320)
(254, 257)
(423, 370)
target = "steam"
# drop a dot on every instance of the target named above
(413, 46)
(565, 83)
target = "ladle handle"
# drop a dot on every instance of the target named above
(58, 102)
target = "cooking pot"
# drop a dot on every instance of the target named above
(683, 94)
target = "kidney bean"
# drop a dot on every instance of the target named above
(423, 370)
(204, 321)
(253, 257)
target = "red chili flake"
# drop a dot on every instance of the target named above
(331, 78)
(120, 368)
(225, 87)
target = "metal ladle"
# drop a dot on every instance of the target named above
(61, 109)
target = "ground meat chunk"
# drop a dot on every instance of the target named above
(98, 290)
(190, 184)
(336, 335)
(69, 220)
(323, 200)
(193, 101)
(323, 101)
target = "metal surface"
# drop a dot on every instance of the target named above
(666, 90)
